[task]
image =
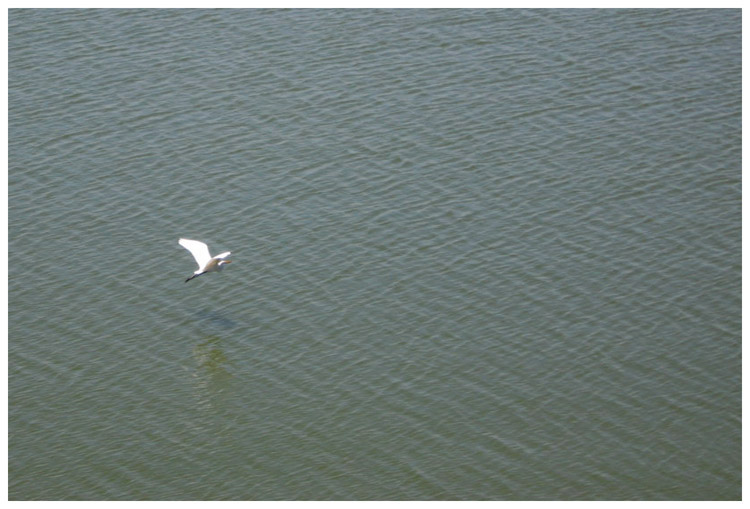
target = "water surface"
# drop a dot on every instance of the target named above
(478, 254)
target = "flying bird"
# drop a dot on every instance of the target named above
(206, 263)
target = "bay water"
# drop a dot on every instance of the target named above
(477, 254)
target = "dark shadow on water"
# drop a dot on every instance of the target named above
(216, 318)
(213, 364)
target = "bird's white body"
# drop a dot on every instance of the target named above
(206, 262)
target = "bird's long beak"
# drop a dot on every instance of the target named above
(227, 261)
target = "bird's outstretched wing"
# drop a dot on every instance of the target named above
(198, 249)
(223, 255)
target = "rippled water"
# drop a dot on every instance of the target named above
(478, 254)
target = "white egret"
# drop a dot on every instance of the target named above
(206, 263)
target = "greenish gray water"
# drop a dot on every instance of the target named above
(478, 254)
